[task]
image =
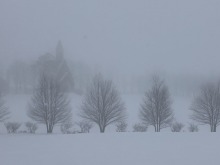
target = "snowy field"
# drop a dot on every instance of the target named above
(111, 149)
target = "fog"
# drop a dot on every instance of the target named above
(130, 38)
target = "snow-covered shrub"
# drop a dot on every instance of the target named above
(12, 127)
(176, 127)
(31, 127)
(139, 127)
(85, 126)
(66, 127)
(193, 128)
(121, 126)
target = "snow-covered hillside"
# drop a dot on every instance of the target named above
(111, 149)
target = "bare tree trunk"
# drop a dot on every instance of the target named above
(158, 128)
(102, 130)
(50, 130)
(214, 128)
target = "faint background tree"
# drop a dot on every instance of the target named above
(193, 128)
(206, 106)
(4, 112)
(19, 77)
(55, 66)
(12, 127)
(49, 105)
(4, 86)
(177, 127)
(156, 107)
(121, 126)
(31, 127)
(139, 127)
(102, 104)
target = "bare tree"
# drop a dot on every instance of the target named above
(193, 128)
(4, 113)
(121, 126)
(85, 126)
(49, 105)
(102, 104)
(156, 107)
(206, 106)
(176, 127)
(140, 127)
(12, 127)
(31, 127)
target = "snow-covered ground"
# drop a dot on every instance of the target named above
(18, 107)
(111, 149)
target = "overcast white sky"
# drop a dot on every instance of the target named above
(126, 36)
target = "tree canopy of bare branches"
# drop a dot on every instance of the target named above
(206, 106)
(49, 105)
(4, 113)
(102, 104)
(156, 107)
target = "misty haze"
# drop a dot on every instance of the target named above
(101, 77)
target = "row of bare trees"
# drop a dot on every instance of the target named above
(156, 107)
(103, 106)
